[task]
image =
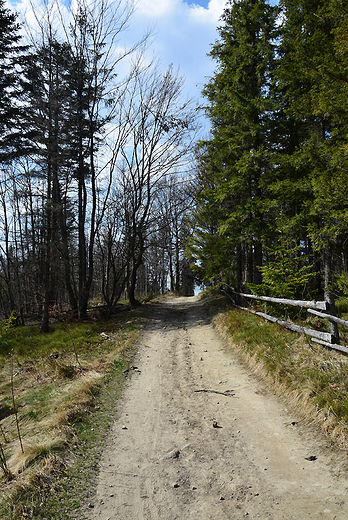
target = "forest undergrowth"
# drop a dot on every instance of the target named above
(312, 379)
(57, 400)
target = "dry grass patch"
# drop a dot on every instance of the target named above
(313, 380)
(57, 379)
(34, 450)
(19, 498)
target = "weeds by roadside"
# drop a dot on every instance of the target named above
(65, 385)
(312, 378)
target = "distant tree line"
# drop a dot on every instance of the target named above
(93, 164)
(271, 208)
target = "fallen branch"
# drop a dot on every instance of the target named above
(227, 393)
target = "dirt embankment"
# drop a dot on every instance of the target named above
(199, 438)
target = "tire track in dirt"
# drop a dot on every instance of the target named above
(165, 460)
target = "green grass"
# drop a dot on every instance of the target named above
(66, 384)
(313, 378)
(60, 490)
(341, 306)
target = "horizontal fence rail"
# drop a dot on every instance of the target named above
(323, 338)
(329, 317)
(332, 345)
(295, 303)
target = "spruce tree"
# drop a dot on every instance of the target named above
(312, 78)
(212, 252)
(12, 131)
(47, 76)
(241, 110)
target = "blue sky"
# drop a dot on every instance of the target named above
(183, 33)
(201, 2)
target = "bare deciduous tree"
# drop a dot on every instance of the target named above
(160, 146)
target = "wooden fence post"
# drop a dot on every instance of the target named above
(330, 309)
(328, 296)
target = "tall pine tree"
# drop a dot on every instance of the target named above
(312, 76)
(241, 110)
(12, 130)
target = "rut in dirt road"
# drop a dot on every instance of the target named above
(198, 438)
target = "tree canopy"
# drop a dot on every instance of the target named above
(89, 149)
(272, 175)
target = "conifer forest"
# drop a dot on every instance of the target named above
(272, 178)
(108, 189)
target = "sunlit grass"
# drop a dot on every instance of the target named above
(313, 378)
(57, 379)
(34, 450)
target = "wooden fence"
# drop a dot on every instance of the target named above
(313, 307)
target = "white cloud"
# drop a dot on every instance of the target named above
(157, 8)
(210, 15)
(33, 13)
(183, 33)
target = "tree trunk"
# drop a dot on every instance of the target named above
(131, 287)
(257, 262)
(171, 273)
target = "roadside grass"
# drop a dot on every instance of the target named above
(65, 385)
(312, 378)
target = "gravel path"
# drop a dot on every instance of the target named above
(199, 438)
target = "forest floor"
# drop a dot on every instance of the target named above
(198, 437)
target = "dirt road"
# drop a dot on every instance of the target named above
(199, 438)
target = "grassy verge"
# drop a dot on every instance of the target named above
(65, 385)
(312, 378)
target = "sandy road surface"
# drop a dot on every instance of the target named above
(165, 460)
